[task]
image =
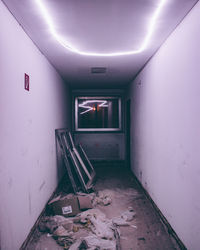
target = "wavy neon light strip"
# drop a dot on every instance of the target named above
(71, 48)
(89, 108)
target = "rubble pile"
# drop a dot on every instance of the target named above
(82, 225)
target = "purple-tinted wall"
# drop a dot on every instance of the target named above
(28, 119)
(165, 129)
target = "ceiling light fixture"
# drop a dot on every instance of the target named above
(71, 48)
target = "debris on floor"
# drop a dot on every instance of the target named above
(74, 213)
(114, 217)
(103, 198)
(125, 218)
(102, 231)
(70, 205)
(51, 223)
(120, 222)
(93, 242)
(128, 215)
(85, 202)
(98, 223)
(61, 231)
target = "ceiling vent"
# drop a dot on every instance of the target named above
(98, 70)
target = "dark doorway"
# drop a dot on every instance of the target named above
(128, 133)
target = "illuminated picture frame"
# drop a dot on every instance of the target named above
(85, 104)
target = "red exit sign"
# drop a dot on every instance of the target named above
(26, 82)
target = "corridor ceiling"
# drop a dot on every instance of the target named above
(114, 37)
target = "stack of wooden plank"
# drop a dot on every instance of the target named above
(80, 170)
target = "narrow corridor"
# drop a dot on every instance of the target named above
(123, 78)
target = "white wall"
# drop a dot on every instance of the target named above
(165, 127)
(28, 171)
(102, 146)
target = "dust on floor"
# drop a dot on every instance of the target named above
(123, 202)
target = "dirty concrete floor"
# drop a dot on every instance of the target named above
(146, 231)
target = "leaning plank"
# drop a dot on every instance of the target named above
(84, 162)
(85, 159)
(66, 162)
(75, 162)
(78, 164)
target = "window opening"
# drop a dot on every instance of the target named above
(98, 114)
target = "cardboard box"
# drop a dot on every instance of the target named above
(70, 206)
(84, 202)
(66, 207)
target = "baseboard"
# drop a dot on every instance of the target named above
(167, 225)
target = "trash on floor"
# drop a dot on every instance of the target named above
(103, 198)
(60, 228)
(118, 221)
(46, 225)
(66, 207)
(70, 205)
(61, 231)
(128, 215)
(65, 242)
(103, 233)
(79, 244)
(125, 218)
(97, 223)
(93, 242)
(84, 202)
(51, 223)
(75, 214)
